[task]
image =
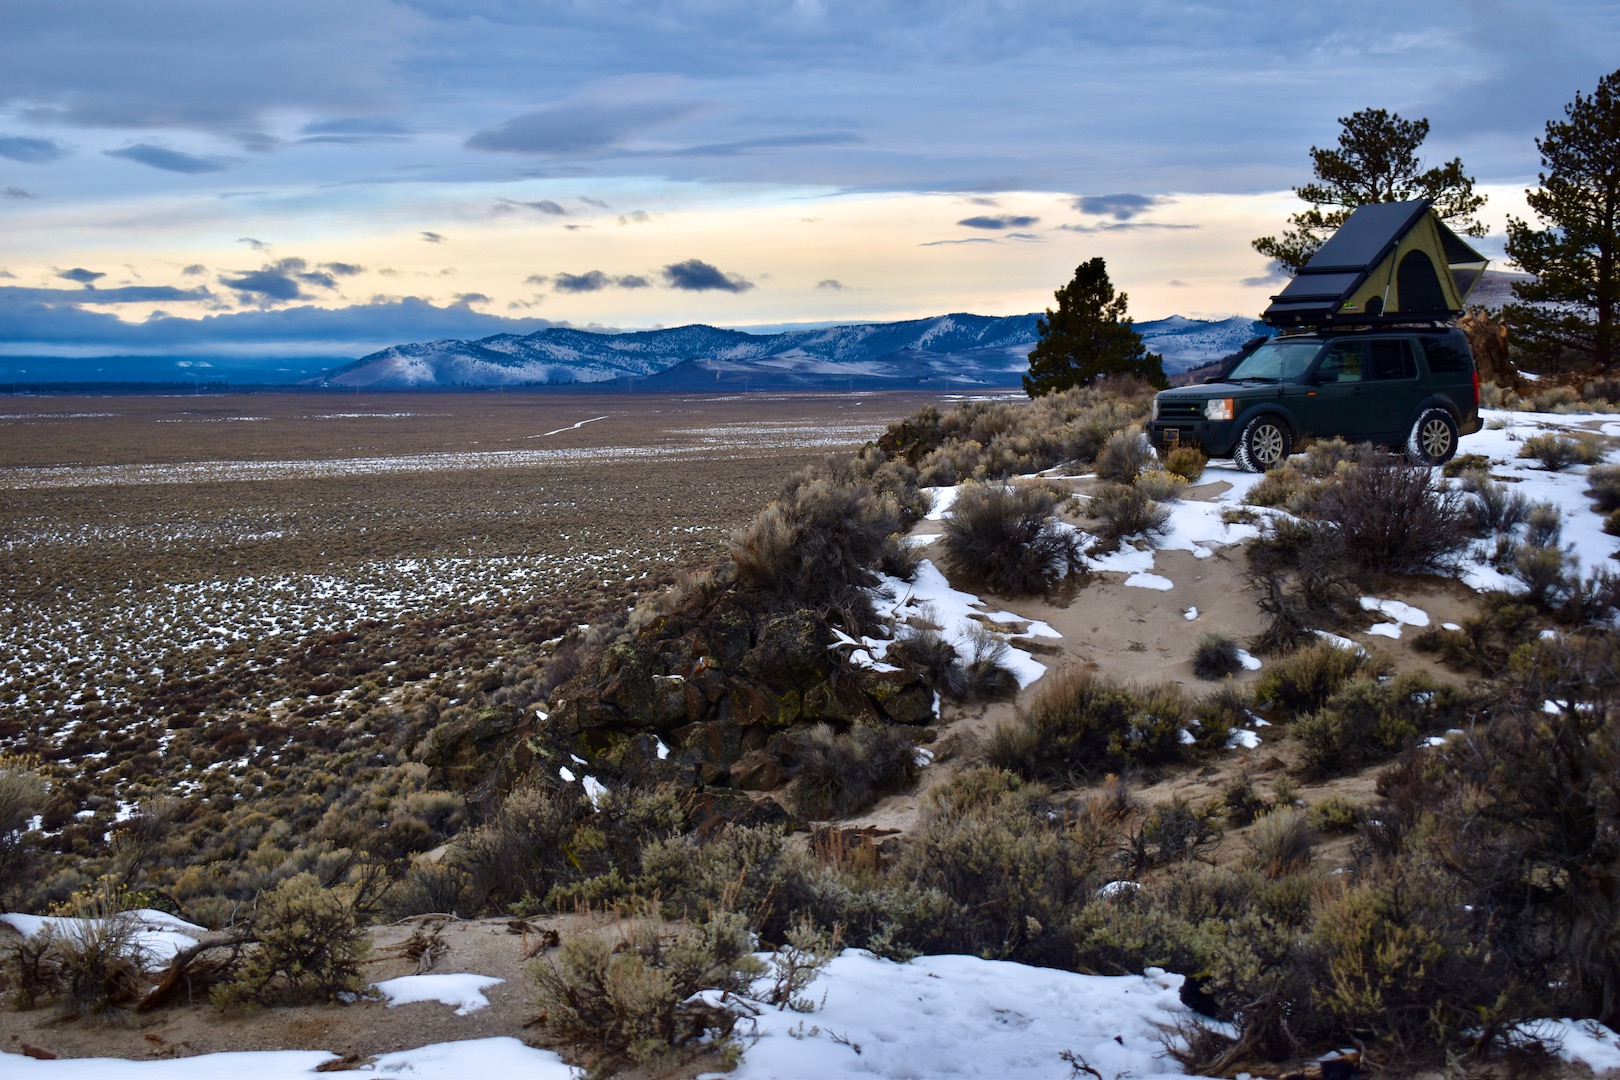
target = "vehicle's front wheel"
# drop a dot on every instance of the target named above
(1265, 444)
(1433, 438)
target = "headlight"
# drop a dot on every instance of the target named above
(1218, 409)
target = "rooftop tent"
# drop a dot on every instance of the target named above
(1389, 262)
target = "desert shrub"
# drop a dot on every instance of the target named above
(1125, 454)
(815, 543)
(1402, 974)
(1543, 571)
(94, 965)
(1225, 707)
(1544, 525)
(634, 1002)
(1490, 396)
(309, 948)
(1558, 451)
(1160, 485)
(1305, 679)
(1603, 485)
(1241, 801)
(1335, 814)
(1278, 487)
(1302, 576)
(1176, 831)
(1497, 508)
(1014, 870)
(1593, 599)
(1186, 462)
(522, 850)
(839, 775)
(1003, 538)
(1555, 398)
(1282, 842)
(1122, 511)
(1324, 457)
(1395, 517)
(1079, 725)
(22, 797)
(1367, 719)
(1464, 464)
(1215, 656)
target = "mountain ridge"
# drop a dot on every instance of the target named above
(954, 350)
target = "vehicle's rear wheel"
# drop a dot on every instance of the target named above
(1265, 444)
(1433, 438)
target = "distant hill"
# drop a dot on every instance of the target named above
(947, 351)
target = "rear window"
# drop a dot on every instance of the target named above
(1447, 355)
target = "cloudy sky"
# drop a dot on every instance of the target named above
(318, 178)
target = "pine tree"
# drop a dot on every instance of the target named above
(1376, 162)
(1088, 337)
(1571, 304)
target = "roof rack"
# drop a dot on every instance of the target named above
(1389, 263)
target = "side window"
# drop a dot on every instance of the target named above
(1343, 363)
(1392, 360)
(1445, 355)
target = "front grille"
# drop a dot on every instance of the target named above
(1175, 411)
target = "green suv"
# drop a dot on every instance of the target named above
(1409, 389)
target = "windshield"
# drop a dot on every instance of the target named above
(1277, 361)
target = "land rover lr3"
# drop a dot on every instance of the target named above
(1368, 351)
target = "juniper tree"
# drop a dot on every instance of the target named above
(1376, 161)
(1088, 337)
(1571, 303)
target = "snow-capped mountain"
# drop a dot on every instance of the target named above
(946, 351)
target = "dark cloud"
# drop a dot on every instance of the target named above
(33, 151)
(161, 157)
(576, 228)
(4, 273)
(543, 206)
(1118, 207)
(969, 240)
(695, 275)
(355, 131)
(765, 142)
(466, 298)
(635, 217)
(598, 203)
(280, 281)
(129, 294)
(590, 281)
(433, 237)
(831, 283)
(18, 193)
(81, 275)
(1028, 236)
(536, 279)
(983, 200)
(194, 269)
(256, 245)
(1124, 226)
(222, 68)
(1275, 274)
(999, 221)
(343, 269)
(578, 126)
(596, 281)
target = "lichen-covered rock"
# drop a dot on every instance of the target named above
(903, 696)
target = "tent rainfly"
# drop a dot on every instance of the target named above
(1393, 262)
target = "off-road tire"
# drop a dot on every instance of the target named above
(1265, 444)
(1433, 438)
